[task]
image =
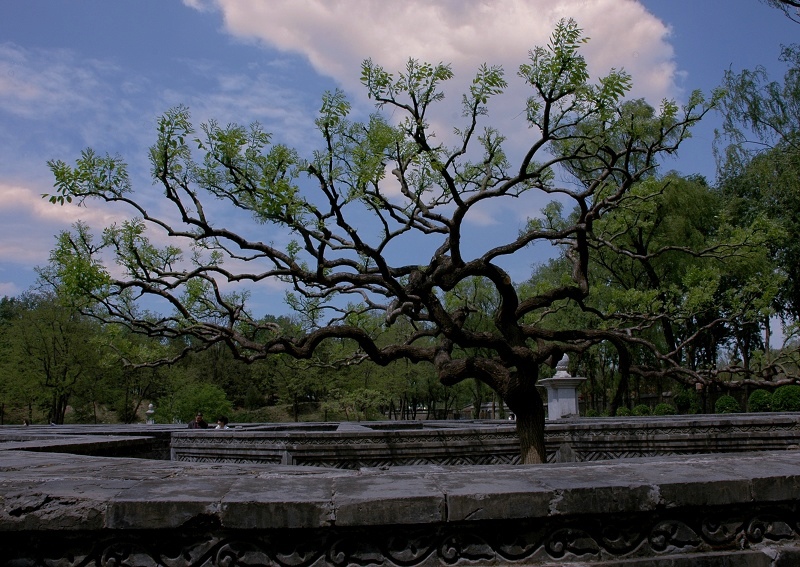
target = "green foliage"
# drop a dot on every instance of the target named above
(686, 401)
(786, 398)
(92, 174)
(253, 398)
(641, 410)
(268, 414)
(50, 356)
(357, 404)
(421, 81)
(760, 401)
(592, 413)
(624, 411)
(74, 271)
(758, 156)
(209, 399)
(670, 255)
(664, 409)
(727, 404)
(559, 73)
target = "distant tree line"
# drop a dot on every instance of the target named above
(58, 364)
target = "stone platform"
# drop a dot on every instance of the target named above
(72, 496)
(720, 510)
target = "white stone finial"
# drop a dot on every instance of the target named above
(562, 391)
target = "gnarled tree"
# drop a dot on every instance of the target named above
(375, 194)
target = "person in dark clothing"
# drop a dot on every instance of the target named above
(199, 422)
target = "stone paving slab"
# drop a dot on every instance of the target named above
(142, 494)
(505, 493)
(73, 444)
(279, 501)
(378, 497)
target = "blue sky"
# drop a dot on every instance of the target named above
(98, 73)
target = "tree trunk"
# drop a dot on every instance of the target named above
(622, 388)
(524, 400)
(517, 388)
(530, 428)
(518, 391)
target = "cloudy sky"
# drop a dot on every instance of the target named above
(98, 73)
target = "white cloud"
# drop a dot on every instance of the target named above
(9, 289)
(38, 84)
(336, 36)
(201, 5)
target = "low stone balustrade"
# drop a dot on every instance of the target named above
(720, 510)
(380, 444)
(63, 505)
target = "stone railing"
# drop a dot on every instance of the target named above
(354, 446)
(382, 444)
(606, 438)
(68, 498)
(710, 510)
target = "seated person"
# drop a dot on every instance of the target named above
(199, 422)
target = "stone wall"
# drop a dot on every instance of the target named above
(721, 510)
(63, 505)
(135, 440)
(605, 438)
(354, 446)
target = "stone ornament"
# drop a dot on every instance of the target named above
(523, 543)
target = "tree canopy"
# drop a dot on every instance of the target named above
(758, 152)
(376, 193)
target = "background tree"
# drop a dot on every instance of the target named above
(758, 153)
(354, 227)
(16, 391)
(129, 382)
(683, 276)
(668, 269)
(52, 353)
(759, 156)
(184, 398)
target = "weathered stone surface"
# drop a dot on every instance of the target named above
(787, 557)
(773, 478)
(164, 505)
(168, 495)
(724, 559)
(387, 497)
(277, 502)
(69, 505)
(723, 482)
(731, 509)
(374, 444)
(464, 442)
(501, 493)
